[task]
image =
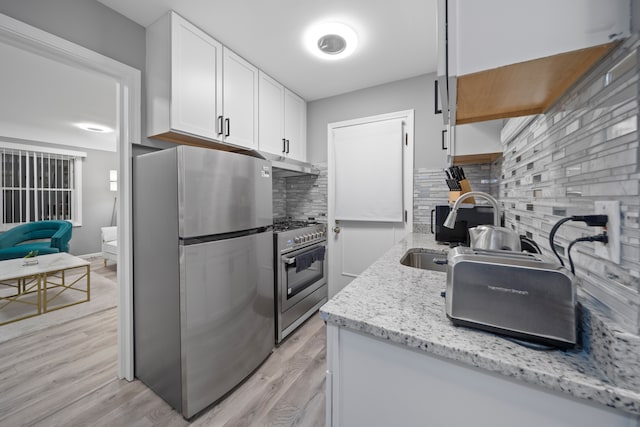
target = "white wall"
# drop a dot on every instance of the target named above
(413, 93)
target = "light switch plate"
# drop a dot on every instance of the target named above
(611, 250)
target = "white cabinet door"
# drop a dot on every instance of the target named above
(195, 79)
(374, 383)
(493, 33)
(501, 58)
(271, 116)
(283, 120)
(240, 106)
(184, 78)
(295, 125)
(477, 138)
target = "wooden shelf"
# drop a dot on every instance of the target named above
(475, 159)
(522, 89)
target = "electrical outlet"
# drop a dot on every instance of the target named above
(611, 250)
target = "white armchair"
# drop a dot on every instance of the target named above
(109, 244)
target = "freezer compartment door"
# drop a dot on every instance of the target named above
(221, 192)
(227, 315)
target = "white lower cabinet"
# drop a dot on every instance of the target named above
(283, 120)
(372, 382)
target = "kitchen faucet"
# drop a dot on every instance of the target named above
(450, 221)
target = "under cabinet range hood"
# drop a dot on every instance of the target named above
(289, 167)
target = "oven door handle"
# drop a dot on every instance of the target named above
(288, 261)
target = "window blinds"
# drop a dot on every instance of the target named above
(37, 186)
(368, 171)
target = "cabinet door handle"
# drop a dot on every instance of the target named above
(432, 212)
(220, 125)
(436, 95)
(284, 145)
(287, 146)
(227, 126)
(444, 146)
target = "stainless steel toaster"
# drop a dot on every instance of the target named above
(521, 295)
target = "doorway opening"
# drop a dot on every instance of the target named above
(125, 83)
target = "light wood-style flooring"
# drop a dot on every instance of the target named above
(66, 376)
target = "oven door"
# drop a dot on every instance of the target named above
(296, 281)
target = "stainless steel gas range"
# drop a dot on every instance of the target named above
(301, 273)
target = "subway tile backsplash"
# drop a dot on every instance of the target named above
(584, 149)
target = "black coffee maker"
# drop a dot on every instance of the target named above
(467, 218)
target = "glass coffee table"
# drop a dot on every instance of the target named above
(53, 283)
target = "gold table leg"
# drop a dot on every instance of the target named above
(65, 287)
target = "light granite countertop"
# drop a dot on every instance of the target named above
(404, 305)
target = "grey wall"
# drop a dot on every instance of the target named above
(94, 26)
(414, 93)
(97, 201)
(584, 149)
(85, 22)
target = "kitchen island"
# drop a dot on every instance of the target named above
(393, 358)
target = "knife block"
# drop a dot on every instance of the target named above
(465, 187)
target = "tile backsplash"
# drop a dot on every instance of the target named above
(430, 189)
(584, 149)
(300, 197)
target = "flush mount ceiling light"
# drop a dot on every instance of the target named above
(331, 40)
(92, 127)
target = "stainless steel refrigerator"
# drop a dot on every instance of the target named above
(203, 272)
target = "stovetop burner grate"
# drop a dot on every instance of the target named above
(283, 224)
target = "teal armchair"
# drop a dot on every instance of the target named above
(22, 239)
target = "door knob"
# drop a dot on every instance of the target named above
(336, 229)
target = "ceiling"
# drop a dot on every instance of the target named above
(43, 99)
(396, 39)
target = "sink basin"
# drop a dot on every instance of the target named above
(424, 259)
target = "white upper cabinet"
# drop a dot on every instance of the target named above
(295, 125)
(476, 142)
(283, 120)
(197, 90)
(507, 58)
(271, 116)
(184, 79)
(240, 105)
(493, 33)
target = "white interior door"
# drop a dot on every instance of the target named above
(370, 204)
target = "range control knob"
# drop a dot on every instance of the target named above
(296, 240)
